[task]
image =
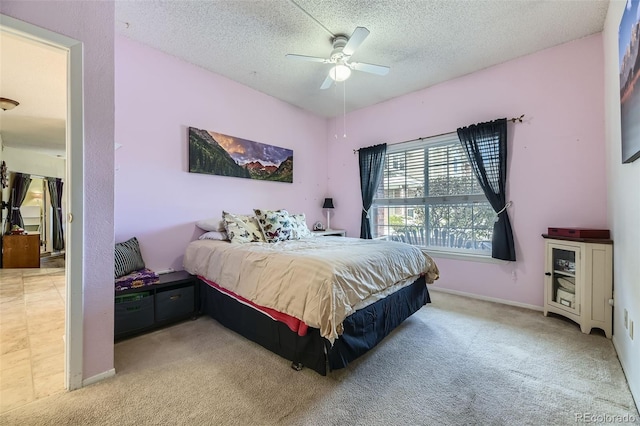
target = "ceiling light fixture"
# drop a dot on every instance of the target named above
(340, 72)
(7, 104)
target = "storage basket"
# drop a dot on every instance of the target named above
(566, 298)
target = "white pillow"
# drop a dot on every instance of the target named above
(299, 225)
(212, 224)
(214, 235)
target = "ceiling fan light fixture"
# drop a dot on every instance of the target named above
(340, 72)
(7, 104)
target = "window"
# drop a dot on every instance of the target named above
(429, 196)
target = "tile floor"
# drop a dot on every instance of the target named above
(31, 335)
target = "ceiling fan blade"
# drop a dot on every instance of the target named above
(306, 58)
(356, 39)
(370, 68)
(327, 82)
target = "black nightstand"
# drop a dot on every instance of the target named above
(173, 299)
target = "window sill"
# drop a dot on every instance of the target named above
(471, 257)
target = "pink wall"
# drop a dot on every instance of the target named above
(93, 24)
(556, 174)
(157, 200)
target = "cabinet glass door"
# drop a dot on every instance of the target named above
(563, 292)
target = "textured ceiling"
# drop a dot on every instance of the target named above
(424, 42)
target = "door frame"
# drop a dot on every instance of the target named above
(74, 180)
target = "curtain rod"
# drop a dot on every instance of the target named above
(513, 120)
(33, 176)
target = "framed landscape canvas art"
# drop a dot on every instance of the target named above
(629, 43)
(218, 154)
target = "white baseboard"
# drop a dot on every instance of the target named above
(488, 299)
(98, 377)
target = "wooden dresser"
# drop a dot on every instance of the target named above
(21, 251)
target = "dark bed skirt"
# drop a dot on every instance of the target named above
(362, 330)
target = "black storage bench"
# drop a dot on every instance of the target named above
(137, 310)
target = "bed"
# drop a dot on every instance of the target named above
(320, 302)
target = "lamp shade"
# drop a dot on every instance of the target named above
(340, 72)
(328, 203)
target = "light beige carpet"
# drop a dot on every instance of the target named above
(457, 361)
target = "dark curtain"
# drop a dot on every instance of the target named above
(486, 147)
(371, 170)
(21, 182)
(55, 193)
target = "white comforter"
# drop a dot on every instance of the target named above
(318, 280)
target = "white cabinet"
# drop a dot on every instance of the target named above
(579, 281)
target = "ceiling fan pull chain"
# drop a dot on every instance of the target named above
(335, 92)
(344, 108)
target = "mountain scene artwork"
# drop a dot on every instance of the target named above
(218, 154)
(629, 51)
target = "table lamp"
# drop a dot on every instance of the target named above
(328, 204)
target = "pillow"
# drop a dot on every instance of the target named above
(299, 225)
(275, 224)
(212, 224)
(242, 229)
(135, 279)
(128, 257)
(214, 235)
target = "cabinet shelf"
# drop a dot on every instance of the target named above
(565, 273)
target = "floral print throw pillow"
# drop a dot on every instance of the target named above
(275, 224)
(242, 229)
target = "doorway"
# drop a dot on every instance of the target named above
(38, 216)
(72, 173)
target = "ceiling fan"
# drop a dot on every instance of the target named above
(343, 48)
